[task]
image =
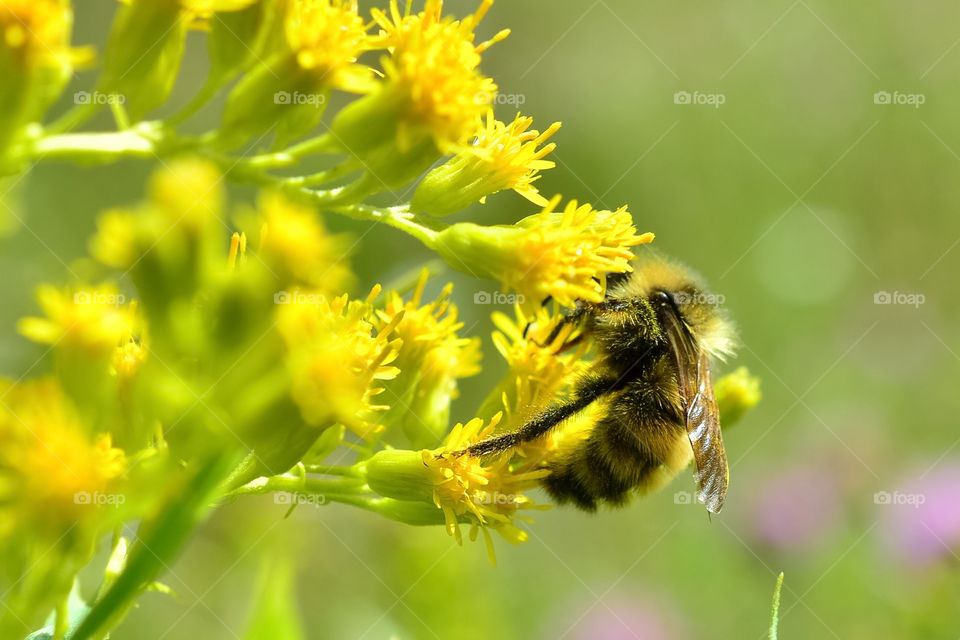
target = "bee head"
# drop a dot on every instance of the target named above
(674, 289)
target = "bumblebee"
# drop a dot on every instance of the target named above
(655, 334)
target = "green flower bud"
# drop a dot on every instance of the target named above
(400, 474)
(144, 52)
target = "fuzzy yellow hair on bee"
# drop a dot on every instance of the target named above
(655, 333)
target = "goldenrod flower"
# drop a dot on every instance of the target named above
(489, 494)
(297, 247)
(502, 156)
(91, 320)
(562, 254)
(431, 96)
(486, 495)
(115, 242)
(336, 356)
(35, 33)
(286, 94)
(540, 371)
(327, 37)
(189, 191)
(36, 59)
(54, 470)
(431, 360)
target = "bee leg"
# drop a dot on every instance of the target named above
(540, 424)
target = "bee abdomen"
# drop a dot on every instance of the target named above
(638, 444)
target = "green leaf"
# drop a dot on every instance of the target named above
(76, 610)
(275, 615)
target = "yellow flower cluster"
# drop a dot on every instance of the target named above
(336, 355)
(95, 321)
(433, 70)
(298, 248)
(490, 494)
(54, 470)
(327, 37)
(564, 255)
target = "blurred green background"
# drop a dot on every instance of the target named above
(802, 198)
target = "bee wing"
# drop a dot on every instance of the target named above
(703, 429)
(701, 415)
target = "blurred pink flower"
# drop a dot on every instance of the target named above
(922, 520)
(794, 509)
(619, 619)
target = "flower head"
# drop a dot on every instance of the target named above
(431, 360)
(92, 320)
(489, 494)
(561, 254)
(35, 33)
(52, 466)
(540, 369)
(294, 242)
(335, 356)
(327, 36)
(433, 64)
(502, 156)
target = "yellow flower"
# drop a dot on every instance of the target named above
(35, 33)
(115, 242)
(562, 254)
(540, 370)
(488, 494)
(431, 360)
(434, 65)
(189, 191)
(36, 60)
(327, 36)
(737, 392)
(294, 242)
(432, 93)
(335, 356)
(92, 320)
(54, 470)
(502, 156)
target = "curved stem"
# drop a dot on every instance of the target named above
(210, 89)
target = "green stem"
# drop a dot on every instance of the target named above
(103, 147)
(398, 217)
(210, 89)
(347, 472)
(297, 484)
(159, 542)
(74, 117)
(775, 608)
(61, 621)
(321, 144)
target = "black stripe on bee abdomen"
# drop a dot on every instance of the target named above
(635, 437)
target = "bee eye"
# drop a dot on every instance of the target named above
(663, 297)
